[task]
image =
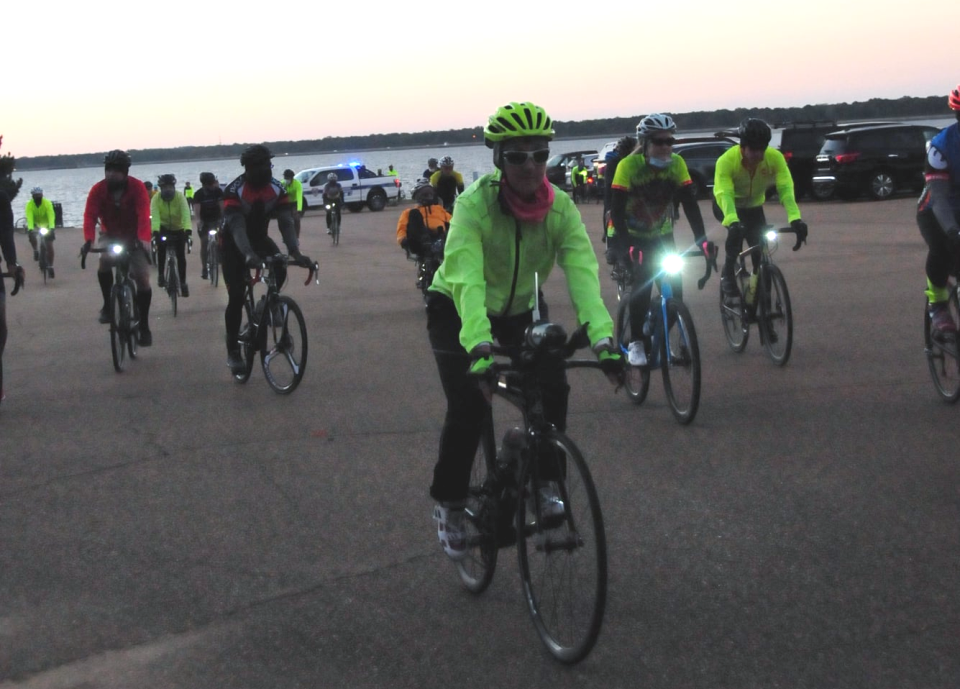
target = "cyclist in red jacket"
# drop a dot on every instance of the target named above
(121, 205)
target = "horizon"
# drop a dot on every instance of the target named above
(379, 84)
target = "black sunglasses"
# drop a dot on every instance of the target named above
(520, 157)
(670, 141)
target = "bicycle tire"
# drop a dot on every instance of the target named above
(173, 282)
(477, 568)
(335, 230)
(775, 317)
(279, 344)
(636, 378)
(249, 334)
(734, 320)
(681, 369)
(943, 356)
(118, 343)
(213, 269)
(559, 565)
(43, 259)
(133, 318)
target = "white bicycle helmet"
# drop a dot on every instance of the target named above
(332, 177)
(655, 124)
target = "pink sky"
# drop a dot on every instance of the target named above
(378, 79)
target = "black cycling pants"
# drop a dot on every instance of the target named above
(754, 221)
(939, 252)
(653, 252)
(178, 240)
(235, 274)
(466, 406)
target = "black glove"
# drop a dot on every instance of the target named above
(800, 229)
(301, 259)
(708, 248)
(735, 229)
(86, 247)
(189, 232)
(405, 244)
(252, 261)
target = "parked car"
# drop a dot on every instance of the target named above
(877, 160)
(361, 187)
(700, 154)
(559, 166)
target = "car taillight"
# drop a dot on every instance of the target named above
(590, 179)
(844, 158)
(788, 155)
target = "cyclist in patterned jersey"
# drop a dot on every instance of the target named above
(938, 215)
(642, 195)
(249, 202)
(740, 183)
(9, 250)
(121, 205)
(448, 183)
(507, 227)
(208, 199)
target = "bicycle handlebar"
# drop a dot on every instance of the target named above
(548, 335)
(18, 279)
(285, 260)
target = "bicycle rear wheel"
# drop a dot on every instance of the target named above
(477, 568)
(735, 327)
(680, 362)
(637, 378)
(774, 314)
(943, 356)
(118, 342)
(564, 568)
(284, 352)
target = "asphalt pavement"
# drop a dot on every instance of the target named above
(166, 527)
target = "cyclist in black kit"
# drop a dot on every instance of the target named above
(208, 199)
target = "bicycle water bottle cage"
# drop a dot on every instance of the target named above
(545, 335)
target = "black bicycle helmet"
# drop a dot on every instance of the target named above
(754, 133)
(166, 179)
(625, 145)
(288, 174)
(207, 177)
(117, 160)
(258, 154)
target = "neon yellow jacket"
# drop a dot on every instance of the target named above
(42, 216)
(294, 190)
(735, 187)
(173, 215)
(490, 259)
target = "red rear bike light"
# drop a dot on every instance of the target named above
(788, 155)
(845, 158)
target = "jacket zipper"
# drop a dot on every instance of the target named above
(516, 271)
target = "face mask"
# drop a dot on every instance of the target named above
(659, 163)
(168, 194)
(258, 177)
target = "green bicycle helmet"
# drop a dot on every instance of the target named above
(514, 120)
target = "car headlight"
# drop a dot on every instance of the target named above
(672, 264)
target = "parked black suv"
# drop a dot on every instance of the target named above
(878, 160)
(800, 142)
(700, 154)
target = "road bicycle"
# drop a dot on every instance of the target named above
(762, 299)
(428, 262)
(43, 249)
(274, 326)
(213, 253)
(332, 208)
(673, 348)
(941, 349)
(122, 307)
(562, 558)
(171, 269)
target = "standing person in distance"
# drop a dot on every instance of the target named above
(294, 190)
(170, 218)
(121, 205)
(209, 203)
(485, 290)
(448, 183)
(431, 169)
(39, 212)
(740, 183)
(249, 203)
(938, 216)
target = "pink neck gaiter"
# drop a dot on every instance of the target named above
(528, 211)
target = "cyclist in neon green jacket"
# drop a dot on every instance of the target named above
(170, 218)
(507, 227)
(740, 183)
(39, 212)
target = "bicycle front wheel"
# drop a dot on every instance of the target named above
(774, 314)
(248, 342)
(213, 270)
(563, 565)
(43, 259)
(284, 352)
(173, 283)
(735, 327)
(335, 229)
(118, 328)
(477, 568)
(680, 362)
(943, 357)
(132, 319)
(637, 378)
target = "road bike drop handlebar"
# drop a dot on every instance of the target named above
(543, 339)
(115, 248)
(670, 267)
(284, 259)
(18, 279)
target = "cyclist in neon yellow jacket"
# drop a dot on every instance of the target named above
(39, 212)
(740, 183)
(507, 227)
(170, 222)
(294, 189)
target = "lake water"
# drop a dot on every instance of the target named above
(70, 187)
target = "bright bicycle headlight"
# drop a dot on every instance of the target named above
(116, 249)
(771, 236)
(672, 264)
(44, 231)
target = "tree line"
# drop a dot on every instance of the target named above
(875, 108)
